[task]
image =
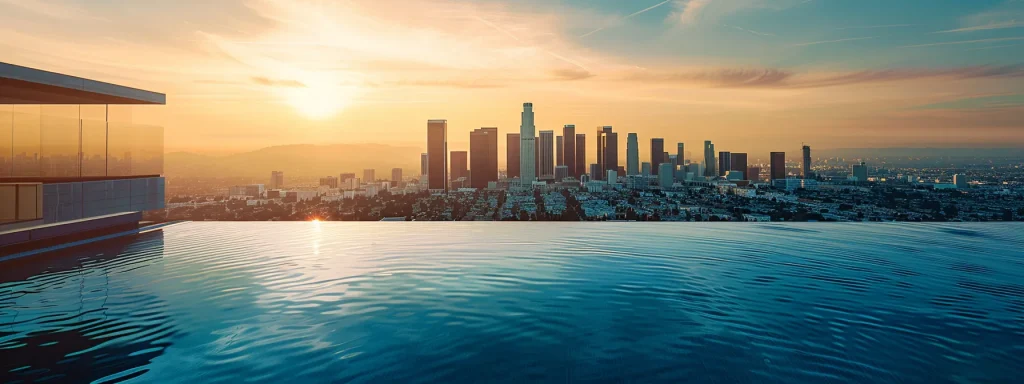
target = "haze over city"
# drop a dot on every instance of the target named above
(751, 75)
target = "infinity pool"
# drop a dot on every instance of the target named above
(523, 302)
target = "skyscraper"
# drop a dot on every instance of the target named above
(424, 164)
(657, 154)
(607, 149)
(753, 173)
(739, 164)
(569, 135)
(724, 162)
(437, 154)
(665, 175)
(276, 179)
(559, 151)
(396, 175)
(645, 169)
(709, 159)
(807, 162)
(369, 175)
(595, 172)
(680, 154)
(778, 165)
(960, 180)
(581, 155)
(512, 155)
(546, 158)
(459, 163)
(527, 146)
(483, 148)
(632, 155)
(860, 171)
(561, 172)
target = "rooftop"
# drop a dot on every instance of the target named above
(24, 85)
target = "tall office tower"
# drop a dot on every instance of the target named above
(581, 155)
(709, 159)
(559, 151)
(536, 156)
(483, 148)
(546, 158)
(276, 179)
(459, 163)
(807, 162)
(959, 180)
(424, 164)
(665, 175)
(753, 173)
(561, 172)
(396, 175)
(569, 135)
(860, 171)
(724, 162)
(369, 175)
(739, 164)
(612, 176)
(645, 169)
(527, 146)
(346, 177)
(607, 148)
(778, 165)
(632, 155)
(679, 154)
(595, 171)
(664, 157)
(437, 154)
(512, 155)
(657, 154)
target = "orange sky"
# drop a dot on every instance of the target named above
(249, 74)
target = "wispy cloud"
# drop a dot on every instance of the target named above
(877, 26)
(1001, 25)
(833, 41)
(995, 47)
(55, 10)
(690, 10)
(631, 15)
(277, 83)
(751, 31)
(992, 40)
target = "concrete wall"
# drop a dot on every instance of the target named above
(72, 201)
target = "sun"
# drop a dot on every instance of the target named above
(319, 95)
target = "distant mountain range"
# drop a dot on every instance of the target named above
(303, 160)
(919, 152)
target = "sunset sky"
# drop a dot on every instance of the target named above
(751, 75)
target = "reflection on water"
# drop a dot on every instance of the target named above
(515, 302)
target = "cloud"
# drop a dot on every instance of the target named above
(833, 41)
(277, 83)
(985, 27)
(571, 74)
(877, 26)
(689, 11)
(50, 9)
(751, 31)
(627, 17)
(772, 78)
(965, 42)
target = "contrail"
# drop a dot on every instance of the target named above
(627, 17)
(516, 38)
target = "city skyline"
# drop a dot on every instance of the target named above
(755, 74)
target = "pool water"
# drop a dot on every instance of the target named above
(522, 302)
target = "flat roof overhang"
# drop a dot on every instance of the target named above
(23, 85)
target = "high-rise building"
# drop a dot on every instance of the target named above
(424, 164)
(610, 149)
(536, 156)
(753, 173)
(546, 158)
(581, 155)
(709, 159)
(437, 154)
(960, 180)
(329, 181)
(459, 163)
(739, 164)
(569, 136)
(632, 155)
(807, 162)
(561, 172)
(512, 155)
(595, 171)
(559, 151)
(369, 175)
(724, 162)
(665, 175)
(645, 169)
(778, 165)
(860, 171)
(612, 176)
(657, 154)
(483, 148)
(527, 147)
(680, 155)
(276, 179)
(396, 176)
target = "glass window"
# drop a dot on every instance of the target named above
(6, 140)
(26, 138)
(148, 154)
(120, 143)
(60, 136)
(94, 140)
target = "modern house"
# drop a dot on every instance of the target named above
(74, 163)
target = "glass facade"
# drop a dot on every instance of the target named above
(72, 141)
